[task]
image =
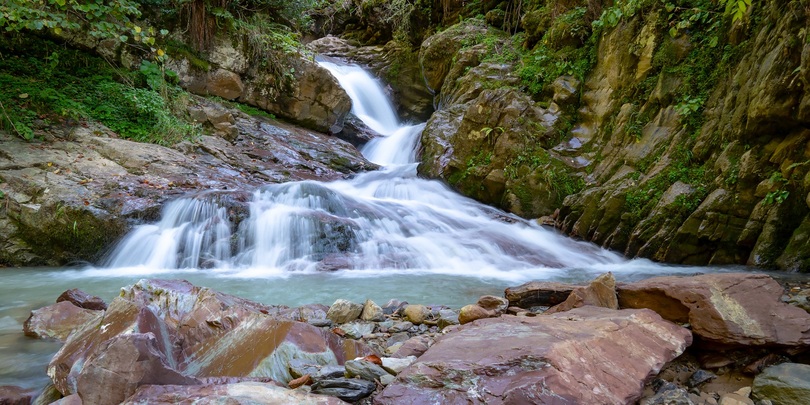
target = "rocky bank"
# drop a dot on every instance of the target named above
(707, 339)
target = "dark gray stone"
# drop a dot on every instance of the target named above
(347, 389)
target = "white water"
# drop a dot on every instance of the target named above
(383, 221)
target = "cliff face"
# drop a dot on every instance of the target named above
(686, 140)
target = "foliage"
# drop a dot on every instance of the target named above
(43, 84)
(780, 194)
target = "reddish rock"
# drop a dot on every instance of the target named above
(200, 333)
(588, 355)
(728, 309)
(14, 395)
(537, 293)
(235, 394)
(414, 346)
(601, 292)
(58, 321)
(493, 303)
(82, 299)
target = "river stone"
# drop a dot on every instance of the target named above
(224, 83)
(372, 312)
(492, 303)
(402, 326)
(364, 369)
(82, 299)
(343, 311)
(469, 313)
(538, 293)
(700, 377)
(314, 314)
(201, 333)
(588, 355)
(447, 317)
(395, 366)
(676, 396)
(347, 389)
(357, 329)
(732, 398)
(415, 314)
(59, 320)
(784, 384)
(730, 308)
(414, 346)
(72, 399)
(48, 395)
(246, 393)
(601, 292)
(300, 367)
(329, 372)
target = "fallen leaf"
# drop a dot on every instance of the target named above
(374, 359)
(24, 95)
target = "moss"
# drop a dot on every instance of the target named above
(178, 50)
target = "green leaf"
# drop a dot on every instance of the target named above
(123, 38)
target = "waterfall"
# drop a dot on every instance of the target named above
(387, 220)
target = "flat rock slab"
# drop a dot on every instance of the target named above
(728, 309)
(58, 321)
(588, 355)
(236, 394)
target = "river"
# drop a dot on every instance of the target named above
(378, 235)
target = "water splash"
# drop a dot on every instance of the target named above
(385, 221)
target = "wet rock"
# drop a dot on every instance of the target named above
(48, 395)
(59, 320)
(395, 366)
(347, 389)
(82, 299)
(73, 399)
(343, 311)
(416, 314)
(243, 393)
(787, 384)
(538, 293)
(364, 369)
(584, 347)
(731, 308)
(469, 313)
(601, 292)
(14, 395)
(372, 312)
(699, 377)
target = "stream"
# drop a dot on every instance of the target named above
(379, 235)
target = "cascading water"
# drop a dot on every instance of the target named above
(385, 220)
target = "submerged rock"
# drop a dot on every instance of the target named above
(581, 356)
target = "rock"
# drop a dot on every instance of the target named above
(415, 314)
(122, 364)
(224, 83)
(469, 313)
(48, 395)
(393, 306)
(364, 369)
(784, 384)
(565, 89)
(492, 303)
(601, 292)
(734, 399)
(343, 311)
(400, 327)
(191, 332)
(395, 366)
(677, 396)
(73, 399)
(729, 308)
(242, 393)
(329, 372)
(372, 312)
(357, 329)
(311, 313)
(770, 359)
(699, 377)
(305, 379)
(414, 346)
(59, 320)
(447, 317)
(82, 299)
(580, 356)
(538, 293)
(387, 379)
(301, 367)
(347, 389)
(14, 395)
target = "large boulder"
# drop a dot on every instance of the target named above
(586, 355)
(188, 333)
(729, 309)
